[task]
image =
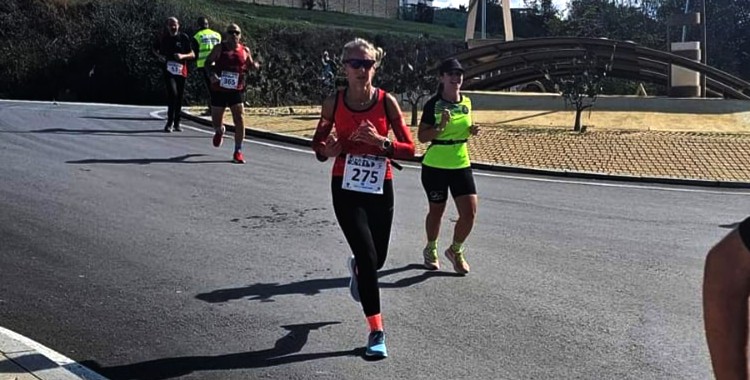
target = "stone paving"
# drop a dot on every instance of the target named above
(685, 155)
(708, 156)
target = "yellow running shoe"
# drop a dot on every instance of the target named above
(431, 259)
(459, 262)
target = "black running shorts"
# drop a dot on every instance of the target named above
(436, 183)
(226, 98)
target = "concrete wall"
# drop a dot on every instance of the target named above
(375, 8)
(484, 100)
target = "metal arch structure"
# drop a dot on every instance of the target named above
(505, 64)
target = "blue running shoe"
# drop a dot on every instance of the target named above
(376, 345)
(353, 285)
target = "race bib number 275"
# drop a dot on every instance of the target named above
(364, 173)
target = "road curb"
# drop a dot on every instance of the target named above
(24, 356)
(506, 168)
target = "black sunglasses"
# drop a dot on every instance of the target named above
(360, 63)
(235, 32)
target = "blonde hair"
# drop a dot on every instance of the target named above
(364, 45)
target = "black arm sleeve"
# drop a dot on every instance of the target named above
(428, 112)
(187, 46)
(194, 45)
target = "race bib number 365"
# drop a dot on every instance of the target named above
(364, 173)
(174, 68)
(229, 80)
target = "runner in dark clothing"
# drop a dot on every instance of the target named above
(361, 185)
(173, 49)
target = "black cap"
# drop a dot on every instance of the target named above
(451, 64)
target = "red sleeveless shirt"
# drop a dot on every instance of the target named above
(234, 61)
(346, 121)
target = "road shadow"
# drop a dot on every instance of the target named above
(280, 354)
(126, 118)
(147, 161)
(32, 362)
(265, 292)
(730, 226)
(66, 131)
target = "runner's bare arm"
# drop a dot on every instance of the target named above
(323, 143)
(427, 132)
(250, 60)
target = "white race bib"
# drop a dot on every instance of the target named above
(174, 68)
(229, 80)
(364, 173)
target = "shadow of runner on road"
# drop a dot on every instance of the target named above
(168, 368)
(730, 226)
(145, 161)
(266, 292)
(124, 118)
(67, 131)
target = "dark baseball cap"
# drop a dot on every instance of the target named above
(451, 64)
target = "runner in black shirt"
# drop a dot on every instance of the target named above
(173, 49)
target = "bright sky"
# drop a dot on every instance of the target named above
(560, 4)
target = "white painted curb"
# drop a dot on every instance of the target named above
(15, 345)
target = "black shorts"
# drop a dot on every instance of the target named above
(436, 183)
(226, 98)
(745, 232)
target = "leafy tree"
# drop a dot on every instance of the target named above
(581, 85)
(586, 18)
(544, 19)
(728, 35)
(410, 77)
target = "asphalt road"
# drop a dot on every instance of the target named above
(149, 255)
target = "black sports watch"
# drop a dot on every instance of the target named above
(387, 144)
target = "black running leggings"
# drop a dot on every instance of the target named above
(175, 85)
(366, 221)
(745, 232)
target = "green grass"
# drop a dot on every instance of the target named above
(250, 13)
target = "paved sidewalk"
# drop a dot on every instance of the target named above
(696, 158)
(23, 359)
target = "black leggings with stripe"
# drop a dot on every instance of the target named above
(366, 222)
(745, 232)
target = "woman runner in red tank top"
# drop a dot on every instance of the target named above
(229, 62)
(361, 185)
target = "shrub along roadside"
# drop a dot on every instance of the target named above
(97, 50)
